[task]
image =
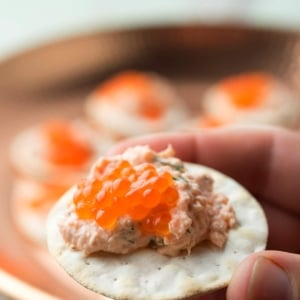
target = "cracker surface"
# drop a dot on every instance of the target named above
(146, 274)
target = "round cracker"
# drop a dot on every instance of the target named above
(146, 274)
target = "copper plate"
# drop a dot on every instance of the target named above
(54, 80)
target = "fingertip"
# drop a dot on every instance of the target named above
(268, 275)
(238, 287)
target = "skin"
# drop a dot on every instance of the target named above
(266, 161)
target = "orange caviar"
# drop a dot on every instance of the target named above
(118, 188)
(138, 85)
(246, 90)
(64, 148)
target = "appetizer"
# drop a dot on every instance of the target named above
(47, 159)
(49, 151)
(249, 98)
(133, 103)
(143, 217)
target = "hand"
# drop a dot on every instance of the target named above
(267, 162)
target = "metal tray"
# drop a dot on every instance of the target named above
(54, 80)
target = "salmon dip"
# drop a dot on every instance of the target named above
(145, 199)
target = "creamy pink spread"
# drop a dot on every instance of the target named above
(200, 214)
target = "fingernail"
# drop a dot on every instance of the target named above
(269, 281)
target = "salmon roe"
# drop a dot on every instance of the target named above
(64, 148)
(140, 86)
(246, 90)
(118, 188)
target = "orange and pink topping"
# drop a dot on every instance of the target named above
(63, 145)
(246, 90)
(119, 188)
(139, 86)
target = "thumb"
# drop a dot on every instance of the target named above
(267, 275)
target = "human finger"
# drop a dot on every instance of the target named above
(267, 275)
(263, 159)
(283, 228)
